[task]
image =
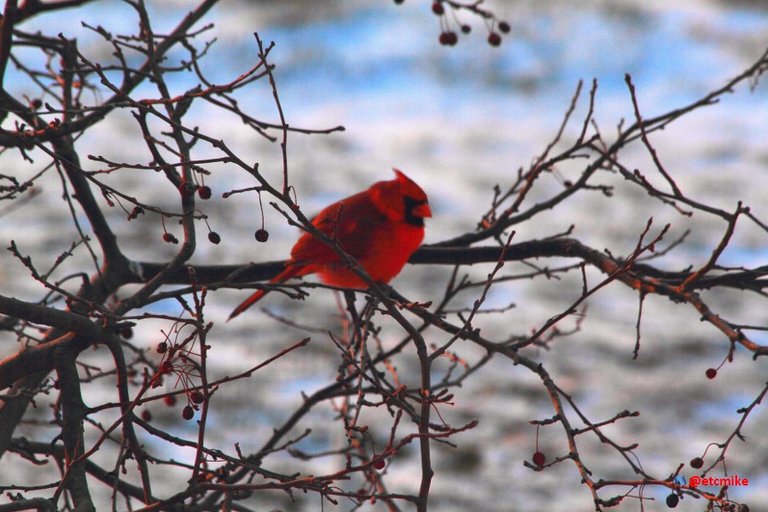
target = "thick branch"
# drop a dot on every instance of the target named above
(432, 255)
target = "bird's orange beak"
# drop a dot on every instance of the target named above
(422, 210)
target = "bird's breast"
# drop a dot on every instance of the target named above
(385, 254)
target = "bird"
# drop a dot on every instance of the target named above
(379, 227)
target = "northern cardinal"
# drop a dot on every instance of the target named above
(380, 227)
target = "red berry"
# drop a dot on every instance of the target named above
(169, 400)
(169, 238)
(262, 235)
(437, 8)
(126, 333)
(197, 396)
(711, 373)
(448, 38)
(214, 237)
(188, 412)
(37, 103)
(466, 29)
(494, 39)
(672, 500)
(379, 463)
(539, 458)
(162, 347)
(146, 415)
(204, 192)
(504, 27)
(697, 463)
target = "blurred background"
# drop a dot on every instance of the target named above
(459, 120)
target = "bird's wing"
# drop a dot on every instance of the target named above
(353, 222)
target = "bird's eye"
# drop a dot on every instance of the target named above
(416, 210)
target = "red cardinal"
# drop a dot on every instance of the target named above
(380, 227)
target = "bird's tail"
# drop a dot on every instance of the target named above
(289, 272)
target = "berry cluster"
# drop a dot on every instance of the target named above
(177, 360)
(449, 37)
(673, 499)
(204, 193)
(186, 189)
